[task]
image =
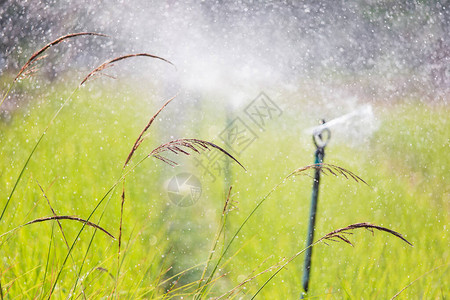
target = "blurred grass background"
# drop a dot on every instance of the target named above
(405, 162)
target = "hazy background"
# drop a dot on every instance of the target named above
(374, 49)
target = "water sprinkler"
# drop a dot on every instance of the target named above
(321, 136)
(363, 112)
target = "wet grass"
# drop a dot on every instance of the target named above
(83, 153)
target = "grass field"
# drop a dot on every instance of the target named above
(406, 164)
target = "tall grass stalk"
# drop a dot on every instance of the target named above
(48, 260)
(136, 145)
(418, 278)
(88, 248)
(220, 230)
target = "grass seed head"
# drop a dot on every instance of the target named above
(38, 54)
(340, 234)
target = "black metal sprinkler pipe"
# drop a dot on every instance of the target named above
(320, 139)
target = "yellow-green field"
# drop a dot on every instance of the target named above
(406, 163)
